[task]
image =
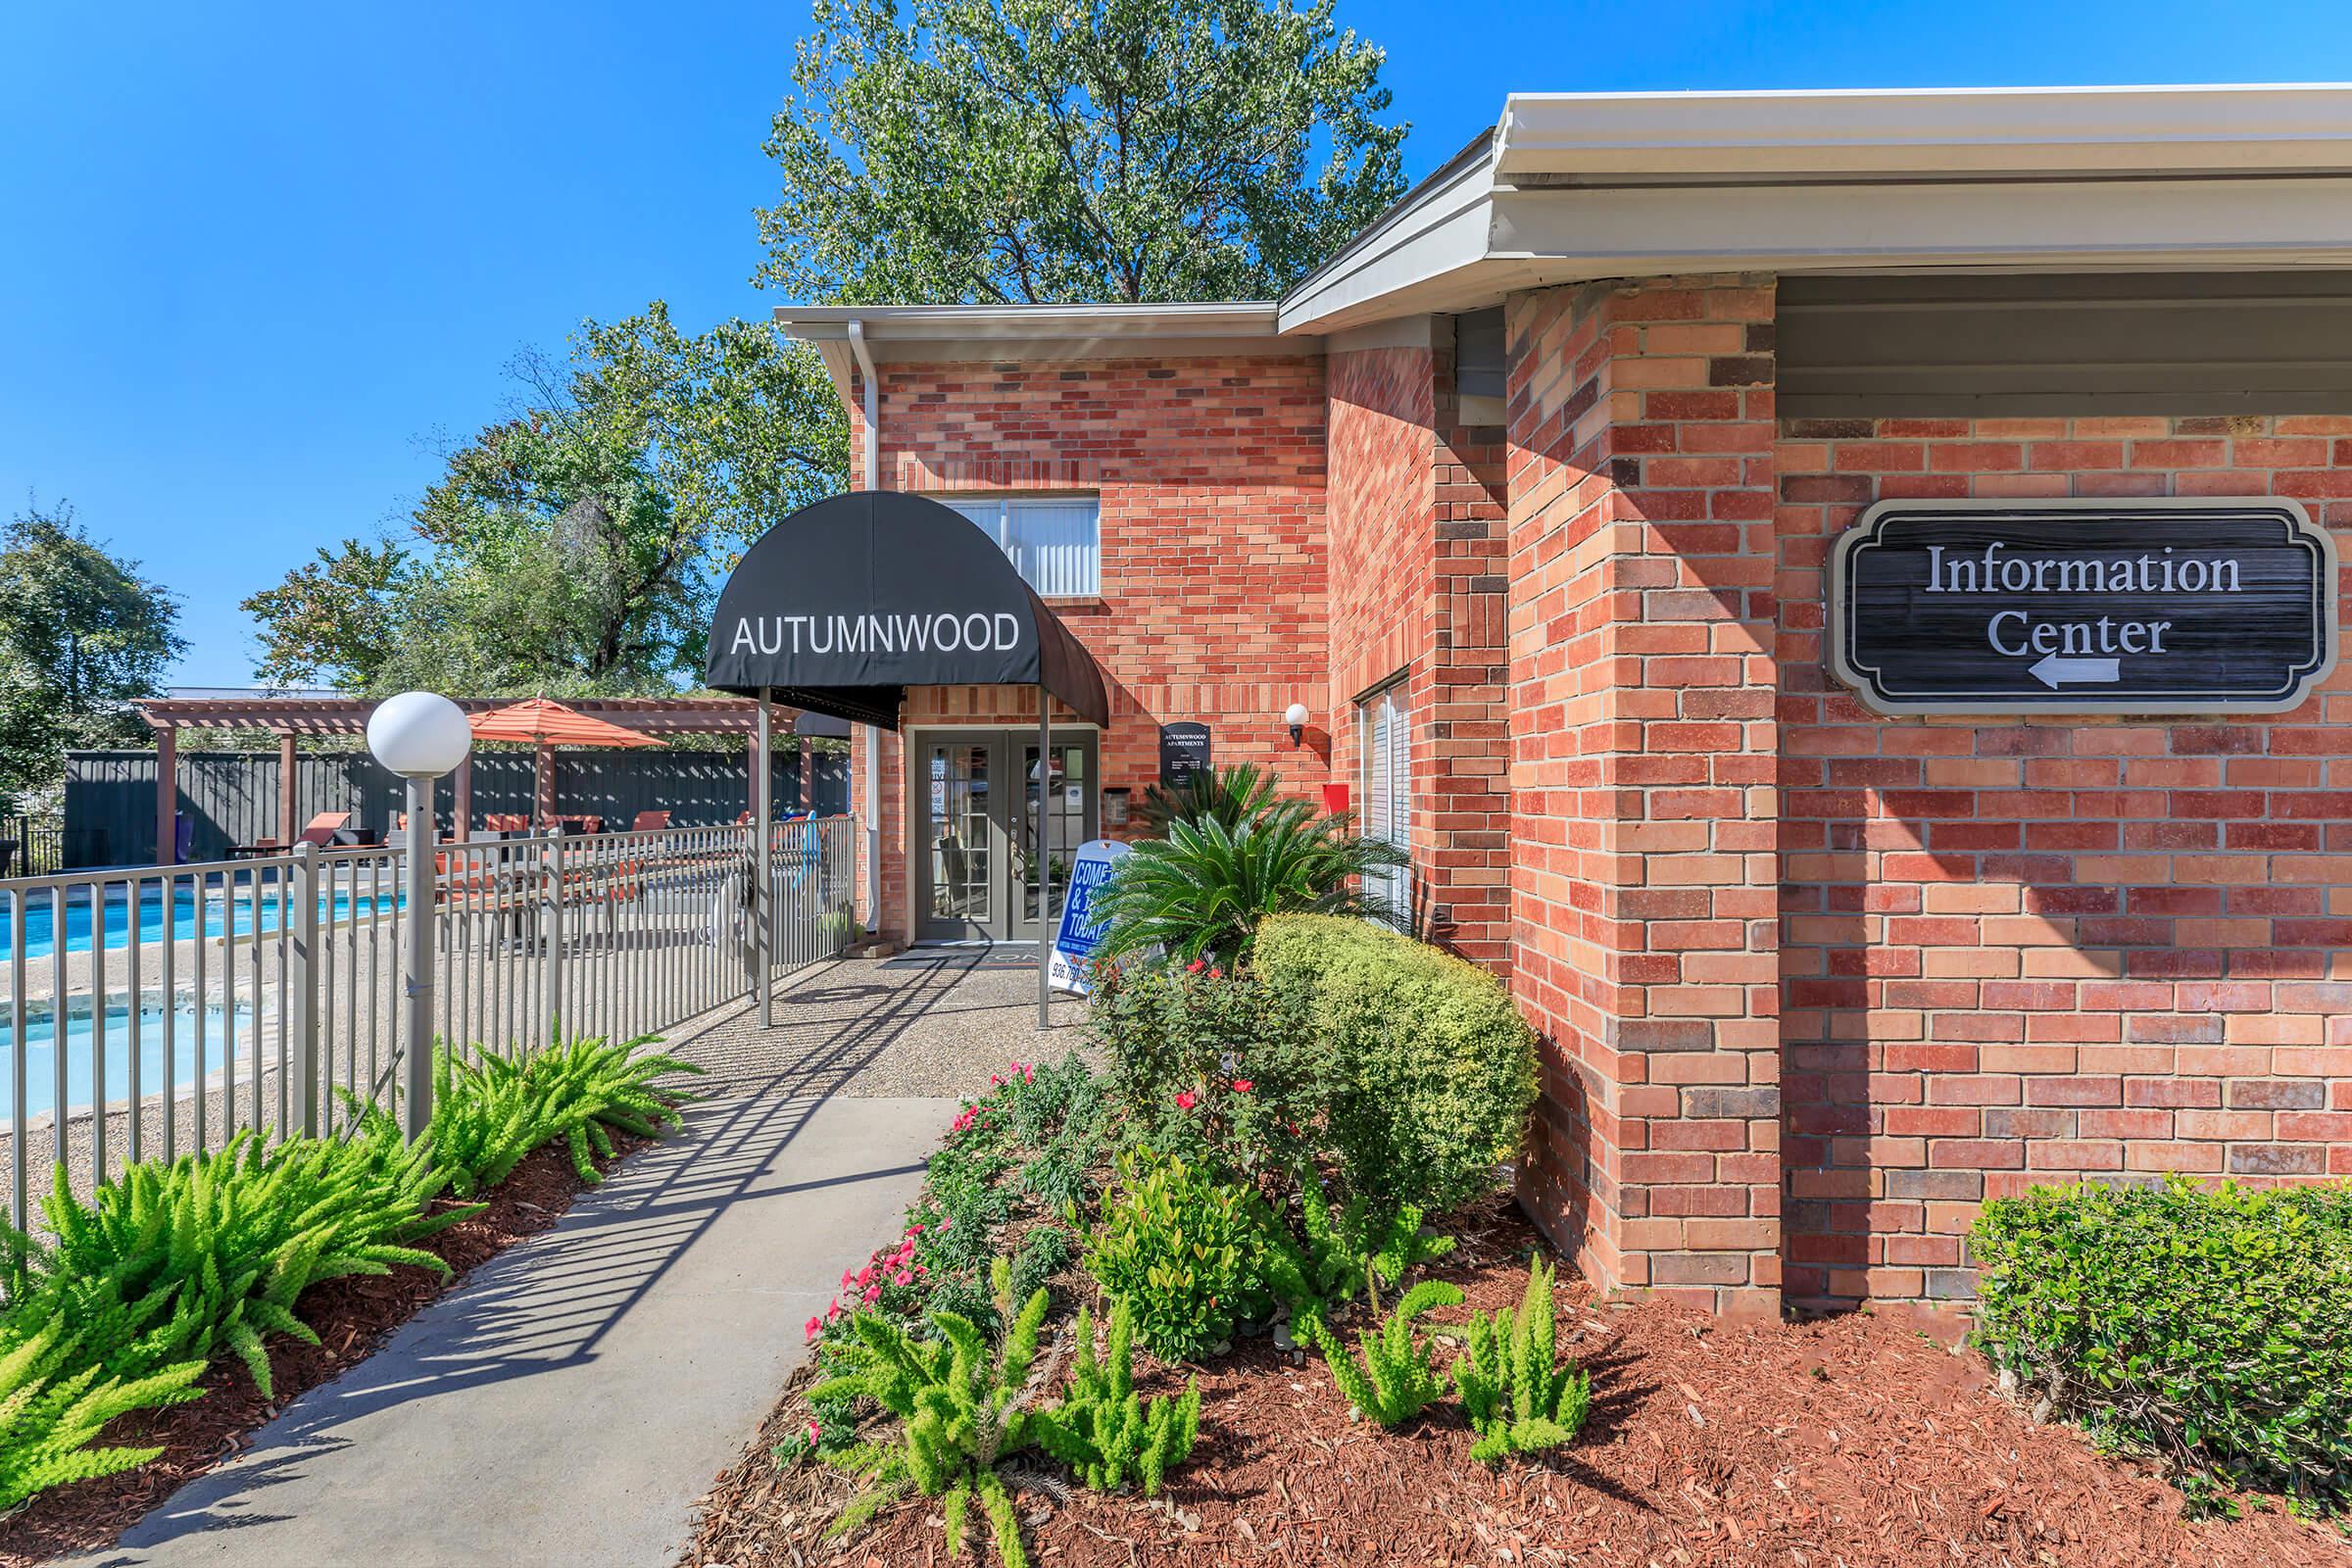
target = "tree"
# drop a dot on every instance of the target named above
(81, 635)
(571, 548)
(1034, 152)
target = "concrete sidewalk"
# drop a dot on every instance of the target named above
(573, 1400)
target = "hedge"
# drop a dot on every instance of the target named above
(2211, 1327)
(1437, 1068)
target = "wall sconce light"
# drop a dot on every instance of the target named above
(1295, 717)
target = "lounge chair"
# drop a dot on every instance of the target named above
(320, 834)
(650, 822)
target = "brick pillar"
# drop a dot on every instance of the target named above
(1643, 777)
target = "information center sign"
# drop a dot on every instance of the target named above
(2091, 607)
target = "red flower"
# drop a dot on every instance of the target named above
(1241, 1086)
(1216, 974)
(1195, 967)
(1184, 1101)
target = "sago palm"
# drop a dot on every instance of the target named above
(1232, 796)
(1201, 891)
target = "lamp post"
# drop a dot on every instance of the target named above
(421, 736)
(1295, 718)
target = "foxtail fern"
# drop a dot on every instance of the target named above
(55, 1401)
(1102, 1429)
(1396, 1380)
(1517, 1401)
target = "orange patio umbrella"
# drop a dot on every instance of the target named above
(548, 725)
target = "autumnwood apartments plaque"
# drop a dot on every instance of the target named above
(2083, 607)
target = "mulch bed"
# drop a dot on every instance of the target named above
(351, 1315)
(1858, 1442)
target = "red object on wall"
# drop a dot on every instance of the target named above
(1335, 799)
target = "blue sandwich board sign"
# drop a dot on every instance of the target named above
(1076, 943)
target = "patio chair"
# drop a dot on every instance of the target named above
(505, 822)
(652, 821)
(320, 834)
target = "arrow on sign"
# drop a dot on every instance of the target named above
(2054, 673)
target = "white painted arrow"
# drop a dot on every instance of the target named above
(2053, 671)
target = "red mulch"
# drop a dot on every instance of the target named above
(1858, 1442)
(351, 1315)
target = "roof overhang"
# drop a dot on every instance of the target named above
(946, 334)
(1572, 187)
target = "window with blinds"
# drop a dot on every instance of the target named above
(1056, 543)
(1385, 743)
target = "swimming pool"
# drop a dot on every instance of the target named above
(82, 1030)
(158, 923)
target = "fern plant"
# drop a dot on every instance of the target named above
(232, 1237)
(55, 1401)
(1344, 1249)
(1397, 1380)
(1106, 1432)
(1517, 1401)
(961, 1408)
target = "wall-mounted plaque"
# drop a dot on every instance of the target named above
(2175, 605)
(1184, 750)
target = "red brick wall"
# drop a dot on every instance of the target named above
(1643, 747)
(2049, 950)
(1416, 525)
(1211, 476)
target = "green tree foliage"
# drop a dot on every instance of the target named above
(2211, 1328)
(1104, 1430)
(975, 151)
(1517, 1399)
(55, 1401)
(81, 634)
(1397, 1379)
(574, 548)
(961, 1406)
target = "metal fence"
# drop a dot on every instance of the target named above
(158, 1011)
(232, 796)
(33, 846)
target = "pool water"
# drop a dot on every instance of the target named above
(229, 912)
(81, 1032)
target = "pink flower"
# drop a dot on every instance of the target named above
(943, 1221)
(813, 1432)
(1241, 1086)
(873, 1293)
(847, 1279)
(816, 1326)
(833, 1311)
(902, 1278)
(914, 1230)
(1184, 1101)
(995, 1082)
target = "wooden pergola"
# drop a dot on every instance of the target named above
(293, 718)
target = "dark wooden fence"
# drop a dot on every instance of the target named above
(231, 797)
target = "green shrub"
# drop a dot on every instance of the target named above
(1215, 1068)
(2212, 1328)
(491, 1112)
(1202, 891)
(1344, 1252)
(234, 1236)
(1179, 1247)
(1434, 1070)
(55, 1401)
(961, 1408)
(1395, 1380)
(1102, 1429)
(1517, 1401)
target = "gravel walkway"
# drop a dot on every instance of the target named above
(931, 1022)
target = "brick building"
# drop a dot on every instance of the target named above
(1528, 497)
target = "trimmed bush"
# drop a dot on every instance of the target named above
(1181, 1249)
(2212, 1328)
(1435, 1069)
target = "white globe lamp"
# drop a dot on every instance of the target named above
(420, 736)
(1295, 717)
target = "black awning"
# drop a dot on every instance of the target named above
(850, 601)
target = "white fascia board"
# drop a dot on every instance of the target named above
(1945, 131)
(1572, 235)
(1447, 231)
(1028, 323)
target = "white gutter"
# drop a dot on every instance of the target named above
(874, 734)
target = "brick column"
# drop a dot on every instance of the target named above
(1643, 775)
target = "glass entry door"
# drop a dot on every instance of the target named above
(975, 830)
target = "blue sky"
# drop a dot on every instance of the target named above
(257, 255)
